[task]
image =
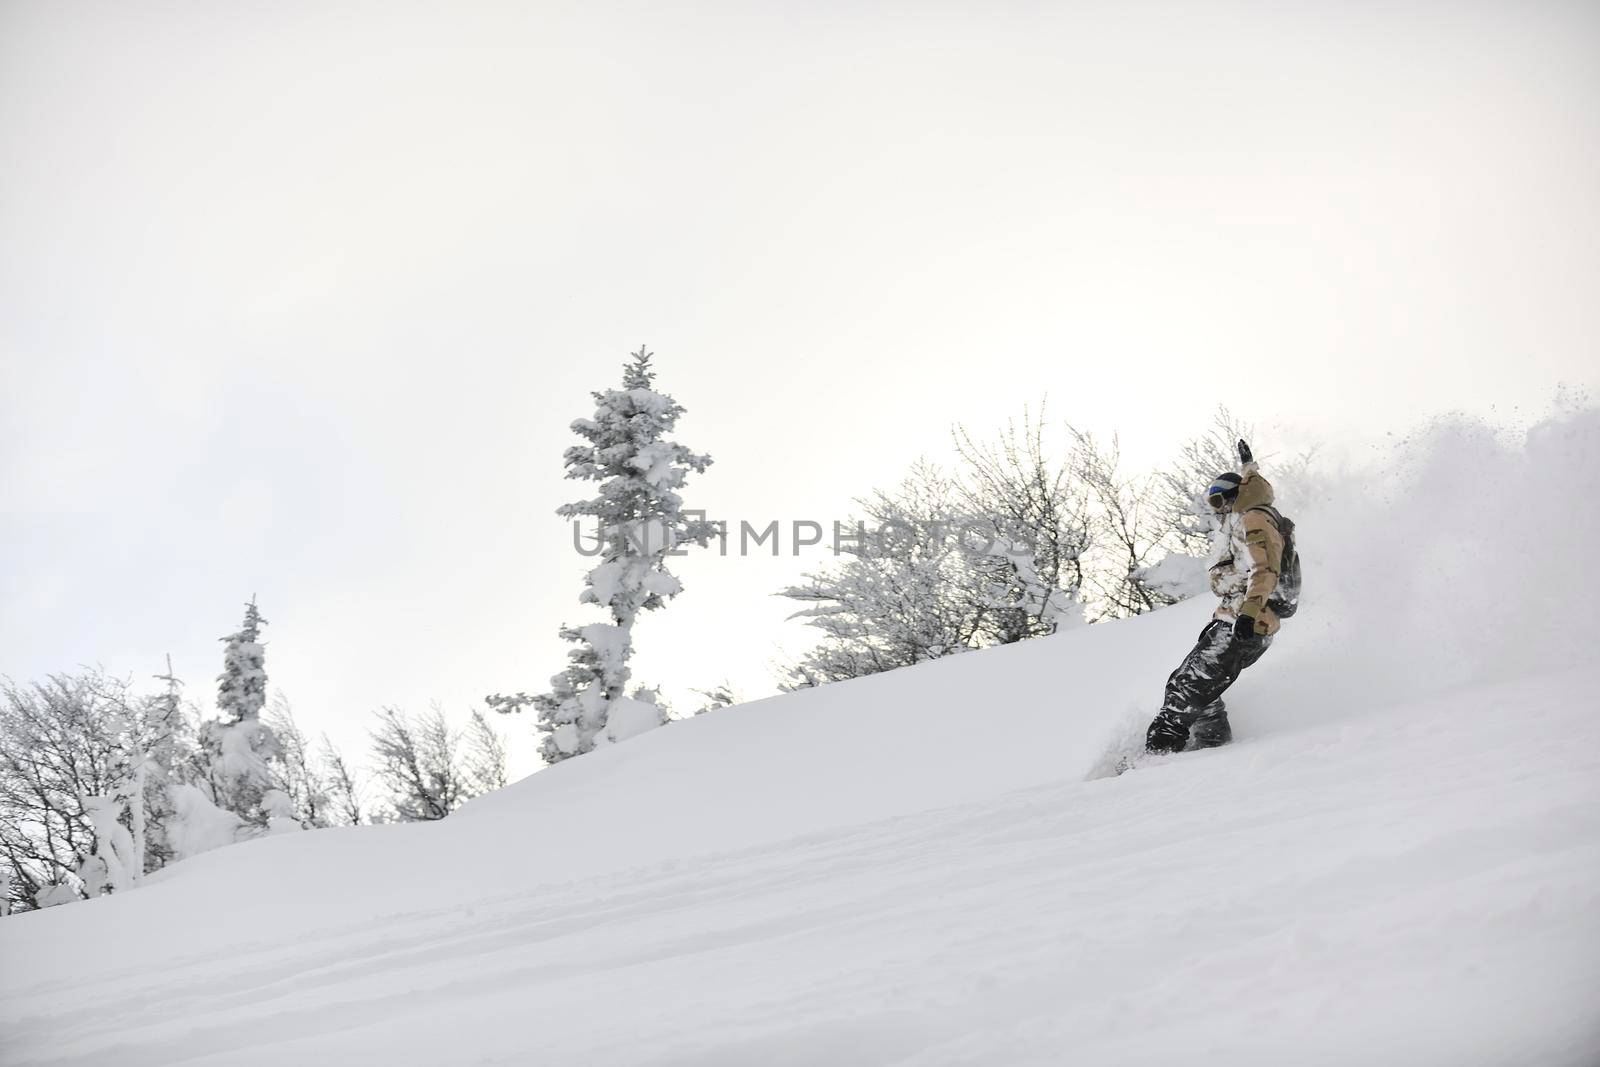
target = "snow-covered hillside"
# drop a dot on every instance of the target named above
(1397, 862)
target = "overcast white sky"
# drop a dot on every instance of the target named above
(298, 299)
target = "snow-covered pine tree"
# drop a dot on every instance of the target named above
(242, 685)
(240, 749)
(166, 755)
(639, 517)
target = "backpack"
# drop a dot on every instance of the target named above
(1285, 598)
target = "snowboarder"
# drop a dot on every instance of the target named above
(1245, 577)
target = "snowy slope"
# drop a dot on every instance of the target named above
(1397, 862)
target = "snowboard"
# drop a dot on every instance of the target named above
(1126, 752)
(1122, 758)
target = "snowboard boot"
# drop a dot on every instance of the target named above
(1211, 728)
(1168, 732)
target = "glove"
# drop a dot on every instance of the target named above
(1244, 627)
(1244, 452)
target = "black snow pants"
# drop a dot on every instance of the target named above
(1194, 691)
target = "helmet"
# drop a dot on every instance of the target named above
(1223, 491)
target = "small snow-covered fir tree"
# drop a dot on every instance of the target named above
(640, 521)
(166, 757)
(242, 685)
(240, 749)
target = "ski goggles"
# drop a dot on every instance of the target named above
(1220, 496)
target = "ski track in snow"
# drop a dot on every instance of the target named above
(1413, 886)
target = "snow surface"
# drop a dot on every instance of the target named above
(1397, 862)
(627, 718)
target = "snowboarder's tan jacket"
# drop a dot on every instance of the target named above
(1247, 573)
